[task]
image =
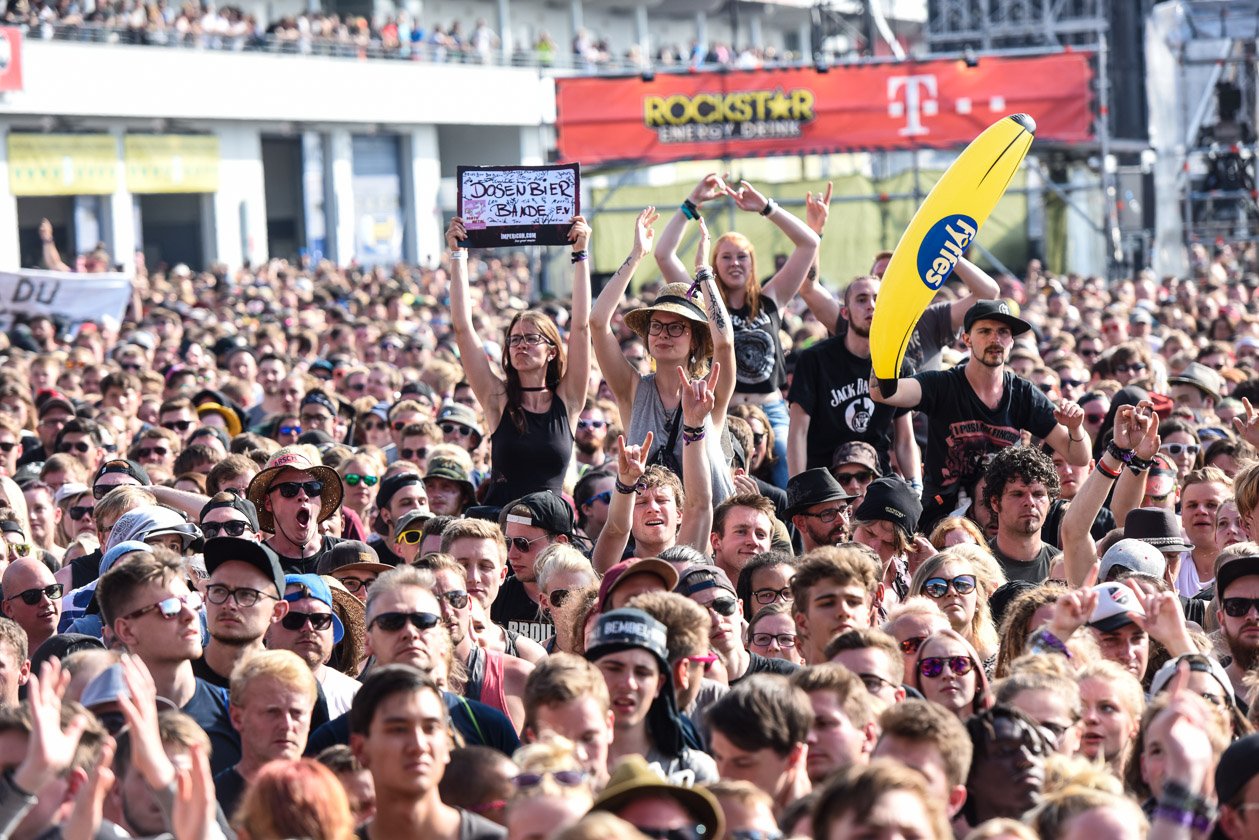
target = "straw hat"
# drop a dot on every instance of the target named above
(295, 458)
(672, 299)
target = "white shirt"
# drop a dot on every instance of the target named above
(338, 689)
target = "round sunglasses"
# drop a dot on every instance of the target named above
(933, 666)
(938, 587)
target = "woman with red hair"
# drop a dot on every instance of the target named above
(299, 798)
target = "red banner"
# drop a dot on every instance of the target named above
(801, 111)
(10, 58)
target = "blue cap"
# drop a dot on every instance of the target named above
(122, 549)
(315, 587)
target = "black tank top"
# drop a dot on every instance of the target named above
(759, 364)
(528, 462)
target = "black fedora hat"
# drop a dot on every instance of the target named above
(1157, 526)
(812, 487)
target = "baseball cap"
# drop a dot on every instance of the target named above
(1237, 766)
(695, 579)
(351, 555)
(1115, 605)
(1134, 555)
(1197, 662)
(546, 510)
(313, 586)
(1228, 569)
(622, 571)
(618, 630)
(220, 550)
(995, 310)
(237, 503)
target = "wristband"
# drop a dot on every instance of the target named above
(1045, 642)
(703, 273)
(459, 254)
(1118, 454)
(1138, 464)
(625, 489)
(693, 437)
(1177, 797)
(770, 207)
(579, 256)
(695, 430)
(1106, 471)
(1075, 439)
(690, 210)
(1175, 816)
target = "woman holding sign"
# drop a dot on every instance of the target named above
(754, 310)
(682, 332)
(531, 409)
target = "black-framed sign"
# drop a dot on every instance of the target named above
(505, 206)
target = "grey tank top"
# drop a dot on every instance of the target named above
(648, 414)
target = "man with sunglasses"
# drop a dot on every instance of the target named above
(53, 412)
(229, 515)
(590, 438)
(178, 416)
(354, 565)
(709, 587)
(293, 495)
(32, 598)
(82, 439)
(149, 609)
(399, 494)
(1237, 590)
(530, 524)
(593, 495)
(244, 598)
(459, 426)
(311, 629)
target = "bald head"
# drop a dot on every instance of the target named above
(28, 580)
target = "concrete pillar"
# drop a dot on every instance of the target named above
(421, 181)
(642, 34)
(756, 32)
(532, 149)
(504, 30)
(339, 203)
(314, 202)
(10, 249)
(240, 205)
(122, 229)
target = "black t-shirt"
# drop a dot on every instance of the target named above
(208, 707)
(306, 565)
(85, 569)
(202, 671)
(758, 355)
(385, 553)
(1036, 571)
(515, 610)
(229, 787)
(962, 431)
(832, 385)
(758, 664)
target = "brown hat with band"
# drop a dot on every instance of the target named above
(673, 299)
(294, 458)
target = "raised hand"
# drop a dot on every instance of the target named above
(579, 233)
(711, 186)
(645, 232)
(89, 802)
(817, 209)
(1163, 621)
(455, 233)
(744, 483)
(193, 811)
(50, 749)
(1182, 730)
(631, 461)
(1248, 428)
(1073, 609)
(747, 197)
(1070, 415)
(139, 707)
(701, 249)
(697, 397)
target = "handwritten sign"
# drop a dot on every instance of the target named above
(73, 297)
(505, 206)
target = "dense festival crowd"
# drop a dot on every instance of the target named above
(302, 551)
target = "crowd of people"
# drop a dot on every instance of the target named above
(301, 551)
(210, 26)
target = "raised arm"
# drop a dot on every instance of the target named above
(1068, 438)
(784, 285)
(487, 386)
(631, 464)
(798, 439)
(1130, 490)
(572, 388)
(908, 455)
(908, 393)
(621, 376)
(697, 477)
(674, 270)
(50, 255)
(823, 304)
(721, 377)
(979, 286)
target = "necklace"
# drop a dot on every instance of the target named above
(539, 388)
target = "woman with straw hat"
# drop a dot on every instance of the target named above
(684, 333)
(754, 310)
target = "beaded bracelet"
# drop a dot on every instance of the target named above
(625, 489)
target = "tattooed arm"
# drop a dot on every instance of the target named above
(722, 331)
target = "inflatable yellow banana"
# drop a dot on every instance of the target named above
(939, 234)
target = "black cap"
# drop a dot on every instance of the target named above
(1238, 765)
(122, 465)
(995, 310)
(222, 550)
(618, 630)
(547, 511)
(62, 645)
(812, 487)
(389, 488)
(237, 503)
(1229, 570)
(890, 499)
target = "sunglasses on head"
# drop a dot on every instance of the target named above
(723, 606)
(938, 587)
(80, 446)
(910, 646)
(1239, 607)
(31, 597)
(290, 430)
(392, 622)
(290, 489)
(233, 528)
(353, 479)
(933, 666)
(297, 620)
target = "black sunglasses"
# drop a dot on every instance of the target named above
(178, 425)
(722, 606)
(32, 597)
(1233, 607)
(289, 489)
(233, 528)
(80, 511)
(7, 446)
(392, 622)
(521, 543)
(80, 446)
(297, 620)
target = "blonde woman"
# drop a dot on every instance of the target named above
(1113, 703)
(960, 580)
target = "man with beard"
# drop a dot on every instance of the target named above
(244, 597)
(1237, 587)
(981, 407)
(293, 495)
(1019, 485)
(830, 396)
(591, 436)
(819, 508)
